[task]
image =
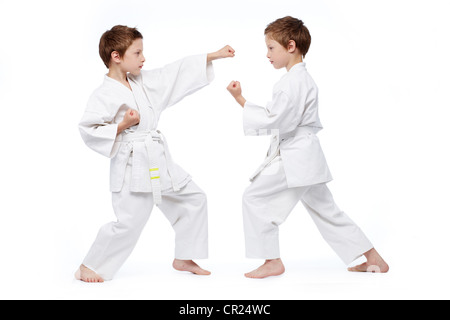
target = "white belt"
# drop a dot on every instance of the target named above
(152, 139)
(274, 149)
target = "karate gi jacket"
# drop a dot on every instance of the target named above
(293, 120)
(152, 92)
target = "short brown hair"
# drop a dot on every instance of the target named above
(288, 28)
(119, 39)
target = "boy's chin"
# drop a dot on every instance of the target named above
(136, 72)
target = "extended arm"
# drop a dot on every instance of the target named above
(225, 52)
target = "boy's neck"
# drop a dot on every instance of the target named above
(117, 74)
(293, 61)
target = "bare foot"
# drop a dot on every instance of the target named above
(273, 267)
(87, 275)
(189, 265)
(374, 263)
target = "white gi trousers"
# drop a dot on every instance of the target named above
(268, 201)
(186, 210)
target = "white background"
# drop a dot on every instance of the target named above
(382, 68)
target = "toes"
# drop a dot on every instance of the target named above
(250, 275)
(189, 266)
(204, 273)
(199, 271)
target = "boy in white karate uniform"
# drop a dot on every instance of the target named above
(120, 122)
(295, 168)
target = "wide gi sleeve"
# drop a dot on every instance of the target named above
(168, 85)
(97, 127)
(279, 116)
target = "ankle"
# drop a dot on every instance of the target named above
(371, 254)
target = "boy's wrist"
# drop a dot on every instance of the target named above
(212, 56)
(241, 100)
(121, 127)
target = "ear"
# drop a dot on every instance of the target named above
(291, 46)
(115, 56)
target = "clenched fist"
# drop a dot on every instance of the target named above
(130, 119)
(236, 91)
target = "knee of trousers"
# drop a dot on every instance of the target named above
(127, 227)
(249, 199)
(250, 206)
(198, 204)
(201, 198)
